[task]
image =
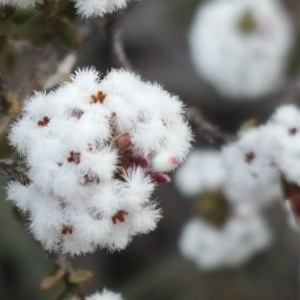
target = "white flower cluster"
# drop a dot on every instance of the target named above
(241, 47)
(250, 172)
(244, 232)
(95, 150)
(105, 295)
(230, 246)
(86, 8)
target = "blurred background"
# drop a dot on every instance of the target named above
(155, 36)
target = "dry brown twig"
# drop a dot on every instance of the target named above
(63, 264)
(113, 31)
(205, 129)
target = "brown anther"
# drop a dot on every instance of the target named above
(74, 157)
(249, 156)
(119, 216)
(293, 131)
(66, 230)
(98, 98)
(77, 113)
(43, 122)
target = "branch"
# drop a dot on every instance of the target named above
(3, 92)
(64, 264)
(208, 131)
(13, 169)
(5, 117)
(17, 171)
(113, 30)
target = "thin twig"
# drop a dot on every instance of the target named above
(205, 129)
(5, 118)
(113, 30)
(63, 263)
(3, 96)
(12, 169)
(17, 170)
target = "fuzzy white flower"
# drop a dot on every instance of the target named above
(230, 246)
(202, 171)
(241, 46)
(251, 173)
(105, 295)
(284, 125)
(90, 147)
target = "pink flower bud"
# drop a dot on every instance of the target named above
(164, 162)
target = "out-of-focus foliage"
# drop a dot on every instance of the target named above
(49, 22)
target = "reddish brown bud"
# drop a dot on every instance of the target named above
(74, 157)
(158, 177)
(99, 98)
(122, 142)
(119, 216)
(43, 122)
(141, 161)
(292, 194)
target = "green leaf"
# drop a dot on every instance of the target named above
(22, 16)
(5, 27)
(49, 281)
(67, 34)
(7, 59)
(80, 276)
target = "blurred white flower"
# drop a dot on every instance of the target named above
(285, 125)
(202, 171)
(230, 246)
(105, 295)
(95, 151)
(241, 46)
(251, 174)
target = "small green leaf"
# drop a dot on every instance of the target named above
(67, 34)
(49, 281)
(81, 276)
(22, 16)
